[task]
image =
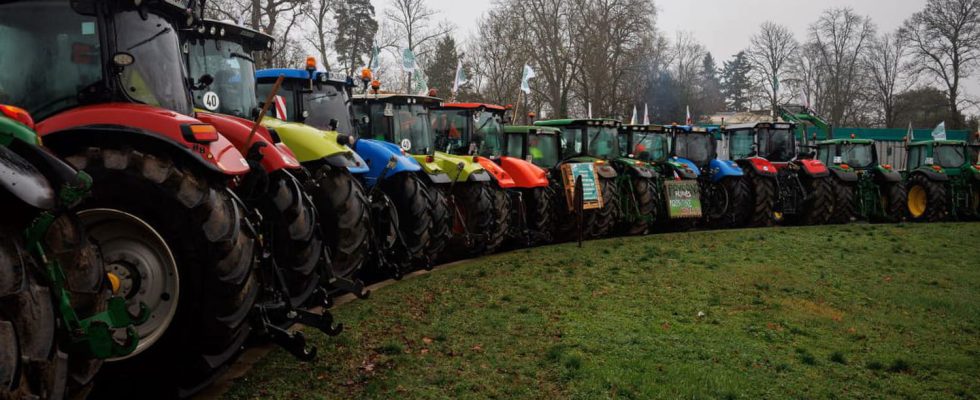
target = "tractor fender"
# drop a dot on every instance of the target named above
(681, 164)
(724, 169)
(377, 154)
(432, 169)
(605, 170)
(310, 144)
(141, 126)
(525, 174)
(16, 130)
(813, 168)
(504, 179)
(24, 181)
(472, 171)
(635, 168)
(238, 130)
(845, 175)
(887, 175)
(759, 165)
(931, 174)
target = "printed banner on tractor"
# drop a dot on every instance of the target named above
(683, 199)
(591, 191)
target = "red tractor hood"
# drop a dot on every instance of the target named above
(275, 156)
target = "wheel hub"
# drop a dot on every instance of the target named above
(917, 201)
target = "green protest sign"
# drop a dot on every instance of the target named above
(591, 191)
(683, 199)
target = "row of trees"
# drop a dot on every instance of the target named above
(608, 55)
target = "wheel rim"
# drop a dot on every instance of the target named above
(917, 201)
(135, 253)
(778, 216)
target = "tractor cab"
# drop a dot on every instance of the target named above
(696, 146)
(401, 119)
(221, 53)
(595, 139)
(775, 142)
(539, 145)
(647, 143)
(469, 129)
(857, 154)
(949, 157)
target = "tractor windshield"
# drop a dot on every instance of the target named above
(156, 77)
(233, 70)
(603, 142)
(469, 132)
(741, 144)
(329, 105)
(48, 53)
(450, 128)
(488, 134)
(696, 147)
(777, 145)
(650, 146)
(949, 156)
(859, 156)
(410, 127)
(543, 150)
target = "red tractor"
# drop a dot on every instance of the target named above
(786, 184)
(477, 129)
(105, 81)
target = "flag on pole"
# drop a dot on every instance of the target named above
(590, 110)
(940, 132)
(526, 79)
(646, 114)
(633, 120)
(689, 121)
(460, 76)
(911, 135)
(408, 60)
(420, 83)
(375, 58)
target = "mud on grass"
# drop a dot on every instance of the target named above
(855, 311)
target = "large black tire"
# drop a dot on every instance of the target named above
(565, 221)
(298, 246)
(818, 204)
(202, 227)
(345, 218)
(502, 210)
(413, 203)
(739, 200)
(926, 201)
(609, 214)
(894, 202)
(540, 215)
(31, 366)
(643, 199)
(762, 199)
(475, 201)
(843, 206)
(441, 231)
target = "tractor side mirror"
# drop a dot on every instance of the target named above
(333, 124)
(204, 81)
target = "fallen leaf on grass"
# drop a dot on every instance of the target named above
(426, 340)
(424, 351)
(477, 348)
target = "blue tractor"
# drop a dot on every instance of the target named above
(724, 192)
(401, 203)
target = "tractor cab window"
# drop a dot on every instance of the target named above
(329, 102)
(917, 157)
(515, 145)
(603, 142)
(650, 146)
(859, 156)
(696, 147)
(411, 128)
(48, 53)
(949, 156)
(826, 153)
(487, 135)
(284, 104)
(233, 70)
(571, 142)
(777, 145)
(449, 128)
(543, 149)
(741, 144)
(156, 77)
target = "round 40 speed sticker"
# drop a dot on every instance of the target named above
(406, 144)
(211, 101)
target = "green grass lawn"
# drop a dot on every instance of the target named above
(848, 311)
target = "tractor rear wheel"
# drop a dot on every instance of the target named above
(31, 366)
(540, 215)
(737, 213)
(609, 214)
(176, 243)
(645, 207)
(475, 201)
(298, 246)
(413, 202)
(566, 224)
(442, 222)
(843, 204)
(894, 202)
(817, 207)
(345, 218)
(926, 199)
(762, 199)
(502, 208)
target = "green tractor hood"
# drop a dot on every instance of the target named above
(312, 144)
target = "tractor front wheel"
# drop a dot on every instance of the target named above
(345, 218)
(298, 246)
(609, 214)
(762, 199)
(843, 204)
(501, 216)
(540, 215)
(414, 205)
(442, 222)
(644, 207)
(818, 206)
(475, 202)
(894, 200)
(926, 199)
(737, 212)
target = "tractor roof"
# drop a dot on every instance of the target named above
(759, 125)
(532, 129)
(571, 122)
(473, 106)
(396, 98)
(294, 73)
(251, 39)
(845, 141)
(692, 129)
(642, 128)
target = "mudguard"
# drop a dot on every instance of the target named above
(760, 165)
(24, 181)
(449, 164)
(813, 168)
(237, 130)
(931, 174)
(114, 123)
(605, 170)
(11, 129)
(684, 163)
(845, 175)
(377, 154)
(724, 169)
(310, 144)
(887, 175)
(504, 180)
(635, 167)
(526, 175)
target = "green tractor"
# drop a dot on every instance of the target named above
(862, 187)
(943, 180)
(464, 210)
(60, 315)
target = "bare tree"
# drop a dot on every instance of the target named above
(319, 15)
(554, 56)
(944, 41)
(840, 37)
(771, 52)
(497, 55)
(279, 18)
(883, 65)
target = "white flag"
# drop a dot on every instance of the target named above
(590, 110)
(460, 76)
(646, 114)
(689, 121)
(633, 120)
(408, 60)
(526, 79)
(940, 132)
(911, 134)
